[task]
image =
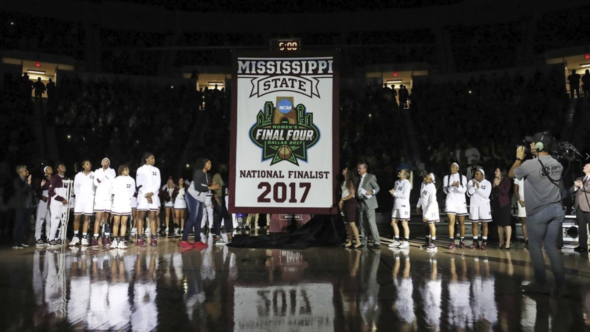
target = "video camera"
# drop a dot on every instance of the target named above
(563, 150)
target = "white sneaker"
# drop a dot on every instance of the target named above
(75, 241)
(394, 244)
(84, 242)
(114, 244)
(166, 231)
(148, 232)
(404, 245)
(133, 231)
(177, 232)
(122, 245)
(220, 242)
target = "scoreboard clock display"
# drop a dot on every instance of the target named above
(285, 44)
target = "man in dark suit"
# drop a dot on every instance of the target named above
(366, 195)
(23, 202)
(581, 188)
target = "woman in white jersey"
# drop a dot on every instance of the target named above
(479, 190)
(148, 185)
(123, 189)
(455, 186)
(401, 208)
(430, 212)
(179, 206)
(103, 200)
(167, 191)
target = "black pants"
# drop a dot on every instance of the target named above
(221, 213)
(583, 219)
(23, 217)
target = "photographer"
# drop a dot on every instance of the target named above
(543, 209)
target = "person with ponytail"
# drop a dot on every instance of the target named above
(401, 208)
(430, 212)
(479, 190)
(455, 186)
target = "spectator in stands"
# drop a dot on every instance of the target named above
(586, 83)
(39, 89)
(394, 95)
(27, 86)
(574, 80)
(51, 91)
(403, 96)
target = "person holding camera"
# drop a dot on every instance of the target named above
(581, 190)
(543, 209)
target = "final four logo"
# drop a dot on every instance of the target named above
(284, 132)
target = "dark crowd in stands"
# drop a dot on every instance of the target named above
(121, 119)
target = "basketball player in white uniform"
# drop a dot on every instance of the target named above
(179, 206)
(58, 203)
(145, 316)
(123, 189)
(97, 315)
(103, 200)
(431, 295)
(85, 190)
(459, 309)
(455, 186)
(404, 303)
(43, 215)
(168, 188)
(480, 211)
(483, 302)
(79, 301)
(519, 195)
(401, 208)
(148, 184)
(430, 212)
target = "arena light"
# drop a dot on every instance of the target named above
(393, 81)
(587, 56)
(37, 64)
(32, 71)
(395, 74)
(585, 65)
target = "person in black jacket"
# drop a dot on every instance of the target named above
(23, 203)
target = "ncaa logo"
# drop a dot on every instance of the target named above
(285, 106)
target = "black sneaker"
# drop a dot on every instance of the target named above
(40, 243)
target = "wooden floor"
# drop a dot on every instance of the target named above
(320, 289)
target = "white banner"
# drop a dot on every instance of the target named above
(283, 133)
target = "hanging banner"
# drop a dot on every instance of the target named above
(284, 143)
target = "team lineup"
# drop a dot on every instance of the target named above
(118, 201)
(456, 188)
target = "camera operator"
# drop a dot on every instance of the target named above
(543, 209)
(581, 190)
